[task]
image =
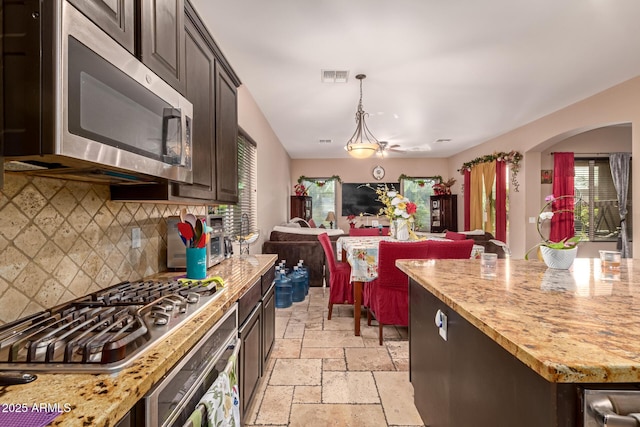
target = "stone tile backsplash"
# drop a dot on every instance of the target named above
(60, 240)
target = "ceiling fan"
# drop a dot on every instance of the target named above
(385, 147)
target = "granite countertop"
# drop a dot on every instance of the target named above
(569, 326)
(102, 399)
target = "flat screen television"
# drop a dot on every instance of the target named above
(357, 198)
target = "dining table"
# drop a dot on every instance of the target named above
(361, 252)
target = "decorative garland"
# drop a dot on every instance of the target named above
(420, 181)
(319, 181)
(513, 158)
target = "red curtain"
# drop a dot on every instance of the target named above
(562, 224)
(467, 199)
(501, 201)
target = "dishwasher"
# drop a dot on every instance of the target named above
(178, 394)
(614, 407)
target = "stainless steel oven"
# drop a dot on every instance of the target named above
(90, 107)
(618, 406)
(176, 396)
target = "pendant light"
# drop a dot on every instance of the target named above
(362, 143)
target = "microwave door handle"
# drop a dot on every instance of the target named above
(170, 154)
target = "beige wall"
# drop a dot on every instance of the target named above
(351, 170)
(273, 167)
(616, 105)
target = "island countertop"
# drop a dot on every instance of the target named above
(569, 326)
(102, 399)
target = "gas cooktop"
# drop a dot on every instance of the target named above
(103, 331)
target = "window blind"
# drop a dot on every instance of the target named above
(241, 219)
(599, 219)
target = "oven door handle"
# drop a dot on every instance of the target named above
(606, 416)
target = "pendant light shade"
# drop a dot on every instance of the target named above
(362, 143)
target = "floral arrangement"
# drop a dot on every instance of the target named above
(300, 190)
(512, 157)
(443, 187)
(396, 206)
(546, 214)
(351, 219)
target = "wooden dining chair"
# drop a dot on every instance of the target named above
(364, 231)
(340, 288)
(387, 296)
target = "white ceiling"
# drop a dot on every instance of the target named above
(465, 70)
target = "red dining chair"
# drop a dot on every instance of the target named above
(452, 235)
(340, 288)
(364, 232)
(456, 249)
(388, 295)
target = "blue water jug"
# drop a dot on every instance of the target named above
(297, 283)
(284, 291)
(305, 273)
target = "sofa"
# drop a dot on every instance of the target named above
(293, 243)
(481, 238)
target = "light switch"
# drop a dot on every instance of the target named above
(532, 220)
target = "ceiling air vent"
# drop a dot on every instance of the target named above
(325, 141)
(334, 76)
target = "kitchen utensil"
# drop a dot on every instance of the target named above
(198, 231)
(186, 231)
(201, 243)
(191, 219)
(183, 214)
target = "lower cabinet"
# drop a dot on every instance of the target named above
(268, 325)
(257, 317)
(250, 361)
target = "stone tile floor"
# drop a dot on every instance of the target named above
(321, 374)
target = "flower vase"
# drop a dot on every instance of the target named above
(560, 259)
(402, 229)
(392, 229)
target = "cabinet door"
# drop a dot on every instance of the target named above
(268, 325)
(200, 91)
(429, 358)
(116, 18)
(162, 36)
(226, 138)
(250, 359)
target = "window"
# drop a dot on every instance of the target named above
(597, 216)
(323, 199)
(419, 190)
(240, 219)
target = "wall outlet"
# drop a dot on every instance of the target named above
(135, 237)
(532, 220)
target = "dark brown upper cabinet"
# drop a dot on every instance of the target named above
(162, 40)
(226, 138)
(116, 18)
(210, 85)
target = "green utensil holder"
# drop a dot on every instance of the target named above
(196, 263)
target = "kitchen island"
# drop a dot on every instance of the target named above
(103, 399)
(520, 347)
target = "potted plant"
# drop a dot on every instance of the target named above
(559, 255)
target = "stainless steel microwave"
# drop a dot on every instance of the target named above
(76, 102)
